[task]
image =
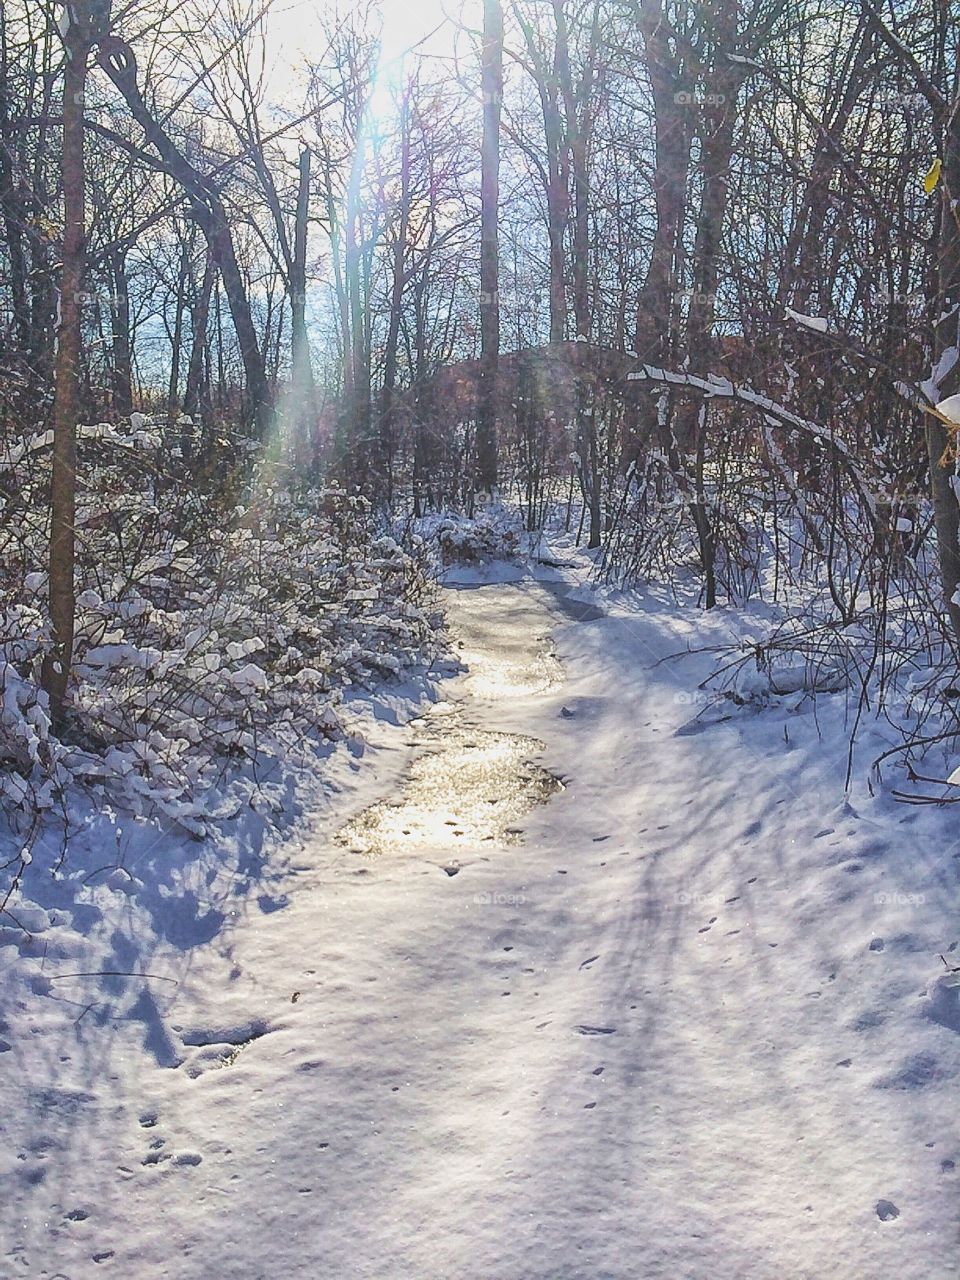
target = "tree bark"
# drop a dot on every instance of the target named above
(655, 329)
(941, 441)
(388, 411)
(120, 335)
(304, 391)
(556, 173)
(576, 109)
(11, 205)
(198, 339)
(55, 670)
(492, 85)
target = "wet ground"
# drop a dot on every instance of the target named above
(471, 783)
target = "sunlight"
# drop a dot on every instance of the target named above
(480, 666)
(295, 35)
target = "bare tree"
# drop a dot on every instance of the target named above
(83, 24)
(492, 87)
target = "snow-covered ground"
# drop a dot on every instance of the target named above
(691, 1021)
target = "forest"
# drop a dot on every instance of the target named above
(322, 321)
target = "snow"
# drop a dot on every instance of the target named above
(743, 61)
(692, 1022)
(714, 387)
(817, 323)
(946, 361)
(950, 408)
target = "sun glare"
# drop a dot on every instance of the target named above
(295, 32)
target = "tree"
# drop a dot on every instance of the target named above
(84, 23)
(944, 288)
(492, 87)
(117, 59)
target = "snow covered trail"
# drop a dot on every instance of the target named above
(678, 1031)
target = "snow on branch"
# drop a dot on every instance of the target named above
(716, 388)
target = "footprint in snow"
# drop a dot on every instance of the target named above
(918, 1071)
(268, 905)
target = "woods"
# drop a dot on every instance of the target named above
(480, 648)
(684, 278)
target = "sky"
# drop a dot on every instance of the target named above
(295, 29)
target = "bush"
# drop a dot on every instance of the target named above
(203, 635)
(462, 540)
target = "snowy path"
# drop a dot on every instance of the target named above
(674, 1033)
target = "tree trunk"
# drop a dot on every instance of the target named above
(577, 105)
(176, 344)
(941, 442)
(198, 337)
(556, 173)
(11, 204)
(304, 392)
(120, 336)
(388, 409)
(492, 83)
(654, 334)
(55, 671)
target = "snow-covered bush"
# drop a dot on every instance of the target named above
(204, 632)
(456, 539)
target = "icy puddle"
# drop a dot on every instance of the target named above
(466, 788)
(470, 785)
